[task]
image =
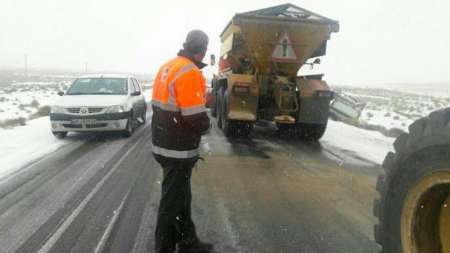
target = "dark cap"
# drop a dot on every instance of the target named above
(196, 41)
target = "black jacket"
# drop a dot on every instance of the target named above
(173, 131)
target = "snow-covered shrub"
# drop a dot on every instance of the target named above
(43, 111)
(34, 103)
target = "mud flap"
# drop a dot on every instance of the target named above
(314, 110)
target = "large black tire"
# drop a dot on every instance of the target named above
(219, 99)
(227, 125)
(415, 189)
(60, 135)
(284, 128)
(213, 103)
(310, 132)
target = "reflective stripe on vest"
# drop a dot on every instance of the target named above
(174, 153)
(184, 111)
(166, 107)
(180, 72)
(193, 110)
(171, 101)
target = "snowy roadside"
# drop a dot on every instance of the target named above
(392, 111)
(371, 145)
(24, 144)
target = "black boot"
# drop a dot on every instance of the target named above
(195, 247)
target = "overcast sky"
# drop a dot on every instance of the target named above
(380, 41)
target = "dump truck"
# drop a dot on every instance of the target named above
(261, 53)
(414, 203)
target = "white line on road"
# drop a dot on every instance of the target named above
(147, 223)
(55, 237)
(225, 216)
(107, 233)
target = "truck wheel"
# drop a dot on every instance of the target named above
(214, 106)
(227, 125)
(310, 132)
(242, 128)
(285, 128)
(60, 135)
(414, 204)
(219, 99)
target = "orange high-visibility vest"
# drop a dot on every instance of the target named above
(178, 91)
(180, 86)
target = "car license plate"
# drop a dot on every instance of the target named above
(83, 121)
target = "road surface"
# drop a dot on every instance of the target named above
(265, 194)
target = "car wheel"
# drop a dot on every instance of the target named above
(144, 117)
(129, 129)
(60, 135)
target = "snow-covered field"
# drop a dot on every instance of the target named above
(397, 109)
(370, 145)
(22, 101)
(22, 145)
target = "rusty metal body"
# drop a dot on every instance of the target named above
(261, 53)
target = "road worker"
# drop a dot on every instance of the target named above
(179, 120)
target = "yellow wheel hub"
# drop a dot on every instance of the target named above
(425, 220)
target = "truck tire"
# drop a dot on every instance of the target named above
(213, 108)
(213, 105)
(228, 127)
(242, 128)
(414, 205)
(219, 99)
(310, 132)
(285, 128)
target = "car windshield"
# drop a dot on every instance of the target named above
(99, 86)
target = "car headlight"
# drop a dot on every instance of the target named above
(115, 109)
(57, 109)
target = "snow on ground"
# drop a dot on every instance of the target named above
(393, 108)
(27, 100)
(367, 144)
(23, 144)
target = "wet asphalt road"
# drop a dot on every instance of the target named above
(267, 193)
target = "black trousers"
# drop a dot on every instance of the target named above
(175, 223)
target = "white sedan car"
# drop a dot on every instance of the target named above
(99, 103)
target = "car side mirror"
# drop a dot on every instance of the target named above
(136, 93)
(212, 60)
(60, 93)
